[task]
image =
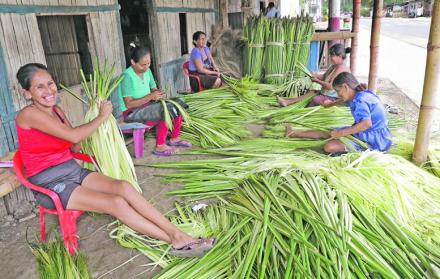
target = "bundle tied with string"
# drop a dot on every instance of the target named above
(254, 34)
(303, 34)
(275, 54)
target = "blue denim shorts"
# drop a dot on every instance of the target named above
(62, 179)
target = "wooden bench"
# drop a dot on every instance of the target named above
(13, 198)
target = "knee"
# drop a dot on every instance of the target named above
(332, 147)
(117, 204)
(126, 189)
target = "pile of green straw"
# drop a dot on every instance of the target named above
(304, 215)
(285, 45)
(434, 161)
(254, 33)
(274, 53)
(55, 262)
(106, 144)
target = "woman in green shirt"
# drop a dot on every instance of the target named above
(137, 92)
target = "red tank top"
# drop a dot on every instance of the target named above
(40, 150)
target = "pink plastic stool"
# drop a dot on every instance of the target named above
(138, 130)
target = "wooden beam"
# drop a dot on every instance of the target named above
(328, 36)
(8, 180)
(42, 9)
(431, 88)
(182, 10)
(374, 44)
(223, 13)
(354, 40)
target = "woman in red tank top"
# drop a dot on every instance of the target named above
(46, 140)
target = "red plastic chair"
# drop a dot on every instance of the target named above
(185, 68)
(67, 218)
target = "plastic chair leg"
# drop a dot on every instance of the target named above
(68, 230)
(138, 142)
(42, 224)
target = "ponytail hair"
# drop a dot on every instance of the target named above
(350, 80)
(137, 52)
(339, 50)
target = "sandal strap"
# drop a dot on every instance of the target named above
(188, 246)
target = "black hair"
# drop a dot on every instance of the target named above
(137, 52)
(350, 80)
(26, 72)
(271, 4)
(339, 50)
(197, 35)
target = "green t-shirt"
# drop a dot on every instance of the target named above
(134, 86)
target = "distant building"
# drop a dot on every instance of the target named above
(413, 8)
(389, 10)
(314, 9)
(427, 7)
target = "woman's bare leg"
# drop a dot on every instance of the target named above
(217, 83)
(105, 184)
(86, 199)
(286, 102)
(334, 146)
(310, 134)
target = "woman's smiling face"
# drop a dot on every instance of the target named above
(43, 90)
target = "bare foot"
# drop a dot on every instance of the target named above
(281, 101)
(290, 133)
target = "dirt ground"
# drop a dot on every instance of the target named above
(106, 258)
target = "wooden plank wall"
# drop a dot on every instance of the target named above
(234, 6)
(61, 48)
(21, 44)
(166, 31)
(21, 41)
(60, 2)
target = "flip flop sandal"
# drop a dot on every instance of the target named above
(164, 153)
(182, 143)
(202, 246)
(207, 243)
(190, 250)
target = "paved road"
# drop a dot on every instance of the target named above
(402, 53)
(410, 30)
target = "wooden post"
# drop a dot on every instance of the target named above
(334, 23)
(374, 44)
(431, 88)
(223, 5)
(355, 29)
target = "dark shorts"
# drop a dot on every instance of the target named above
(206, 80)
(153, 111)
(62, 179)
